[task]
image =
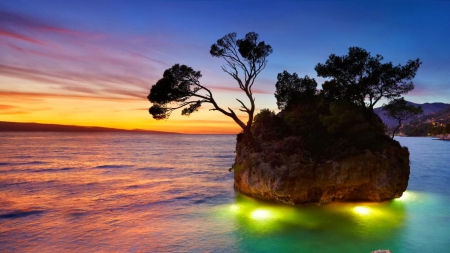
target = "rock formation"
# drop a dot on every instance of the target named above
(309, 154)
(370, 176)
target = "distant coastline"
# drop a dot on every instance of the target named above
(39, 127)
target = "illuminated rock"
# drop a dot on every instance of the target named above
(369, 176)
(381, 251)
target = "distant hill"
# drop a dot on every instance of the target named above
(439, 117)
(432, 124)
(38, 127)
(429, 110)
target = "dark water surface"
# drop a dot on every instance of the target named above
(117, 192)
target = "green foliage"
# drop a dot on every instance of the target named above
(290, 89)
(343, 115)
(249, 48)
(399, 109)
(179, 83)
(358, 77)
(268, 126)
(180, 87)
(355, 131)
(319, 130)
(339, 120)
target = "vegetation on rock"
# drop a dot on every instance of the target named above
(180, 86)
(328, 145)
(338, 120)
(363, 79)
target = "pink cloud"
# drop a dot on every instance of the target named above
(140, 95)
(80, 63)
(424, 90)
(18, 36)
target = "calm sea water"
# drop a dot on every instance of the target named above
(117, 192)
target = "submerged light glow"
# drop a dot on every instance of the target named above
(361, 210)
(406, 196)
(261, 214)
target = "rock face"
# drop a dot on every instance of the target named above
(369, 176)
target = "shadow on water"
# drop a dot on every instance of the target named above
(353, 227)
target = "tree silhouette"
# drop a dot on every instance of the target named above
(290, 88)
(180, 86)
(363, 80)
(400, 110)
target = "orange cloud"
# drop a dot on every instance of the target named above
(14, 112)
(7, 107)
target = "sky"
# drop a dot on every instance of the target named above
(93, 62)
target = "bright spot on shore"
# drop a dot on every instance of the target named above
(260, 214)
(361, 210)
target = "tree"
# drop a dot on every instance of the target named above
(290, 89)
(400, 110)
(180, 86)
(363, 80)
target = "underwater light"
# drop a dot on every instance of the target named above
(361, 210)
(260, 214)
(234, 208)
(405, 196)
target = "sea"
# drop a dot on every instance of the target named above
(135, 192)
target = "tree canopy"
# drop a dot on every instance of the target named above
(363, 79)
(400, 110)
(180, 85)
(290, 89)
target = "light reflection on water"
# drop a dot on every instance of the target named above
(166, 193)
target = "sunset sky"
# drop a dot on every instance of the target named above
(92, 63)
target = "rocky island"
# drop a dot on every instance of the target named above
(324, 145)
(328, 145)
(284, 168)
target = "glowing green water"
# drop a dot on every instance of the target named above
(400, 225)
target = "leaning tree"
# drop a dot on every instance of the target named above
(180, 87)
(400, 110)
(363, 79)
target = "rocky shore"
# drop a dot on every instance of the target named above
(445, 137)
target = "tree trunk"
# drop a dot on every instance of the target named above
(395, 130)
(249, 140)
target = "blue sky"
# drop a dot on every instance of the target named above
(118, 49)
